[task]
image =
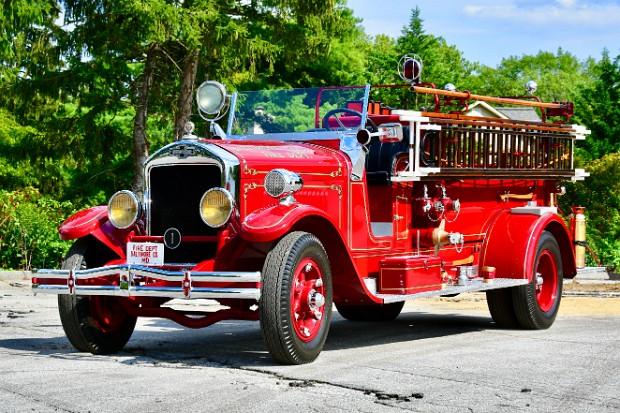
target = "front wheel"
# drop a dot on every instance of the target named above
(96, 324)
(296, 299)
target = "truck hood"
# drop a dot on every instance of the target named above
(260, 157)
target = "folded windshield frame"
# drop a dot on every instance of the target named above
(297, 114)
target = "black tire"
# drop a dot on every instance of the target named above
(95, 324)
(533, 306)
(292, 330)
(377, 312)
(537, 304)
(502, 308)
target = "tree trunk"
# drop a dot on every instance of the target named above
(186, 95)
(141, 144)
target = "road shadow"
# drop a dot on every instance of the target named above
(41, 346)
(346, 334)
(239, 343)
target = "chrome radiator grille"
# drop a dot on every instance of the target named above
(175, 192)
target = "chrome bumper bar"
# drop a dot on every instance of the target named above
(129, 275)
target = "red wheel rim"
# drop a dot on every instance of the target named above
(546, 281)
(307, 299)
(107, 313)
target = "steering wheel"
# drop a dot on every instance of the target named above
(334, 112)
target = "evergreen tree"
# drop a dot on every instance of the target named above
(598, 108)
(442, 63)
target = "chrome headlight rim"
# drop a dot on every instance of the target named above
(136, 204)
(231, 207)
(280, 182)
(210, 87)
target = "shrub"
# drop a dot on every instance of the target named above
(29, 229)
(600, 195)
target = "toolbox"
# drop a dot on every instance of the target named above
(410, 274)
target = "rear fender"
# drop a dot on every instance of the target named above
(94, 221)
(270, 223)
(512, 239)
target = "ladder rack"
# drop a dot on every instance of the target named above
(451, 147)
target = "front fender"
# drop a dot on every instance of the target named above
(512, 239)
(94, 221)
(272, 222)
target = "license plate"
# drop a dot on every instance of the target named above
(145, 253)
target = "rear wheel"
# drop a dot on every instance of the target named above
(97, 324)
(376, 312)
(502, 309)
(535, 305)
(296, 299)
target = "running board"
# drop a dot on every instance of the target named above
(471, 286)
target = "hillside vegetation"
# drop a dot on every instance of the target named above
(89, 88)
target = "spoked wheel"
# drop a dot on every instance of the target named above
(376, 312)
(296, 299)
(535, 305)
(97, 324)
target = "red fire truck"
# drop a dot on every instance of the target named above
(301, 200)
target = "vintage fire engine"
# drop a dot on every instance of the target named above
(307, 199)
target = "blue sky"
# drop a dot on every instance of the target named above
(489, 30)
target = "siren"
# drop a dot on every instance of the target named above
(410, 68)
(531, 87)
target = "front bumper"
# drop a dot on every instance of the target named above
(139, 281)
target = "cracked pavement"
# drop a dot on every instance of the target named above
(440, 355)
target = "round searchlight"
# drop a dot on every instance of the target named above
(211, 97)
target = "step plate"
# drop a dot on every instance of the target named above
(472, 286)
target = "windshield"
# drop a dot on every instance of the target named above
(297, 111)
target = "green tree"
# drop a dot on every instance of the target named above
(382, 61)
(315, 43)
(600, 195)
(75, 90)
(442, 63)
(598, 107)
(26, 38)
(559, 76)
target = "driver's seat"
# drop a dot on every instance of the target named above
(381, 158)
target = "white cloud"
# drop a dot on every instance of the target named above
(562, 12)
(488, 30)
(566, 3)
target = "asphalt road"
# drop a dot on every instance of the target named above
(438, 356)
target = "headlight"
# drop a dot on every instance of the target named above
(281, 182)
(211, 97)
(123, 209)
(216, 207)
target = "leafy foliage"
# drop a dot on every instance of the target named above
(600, 195)
(598, 107)
(71, 72)
(560, 76)
(29, 229)
(443, 63)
